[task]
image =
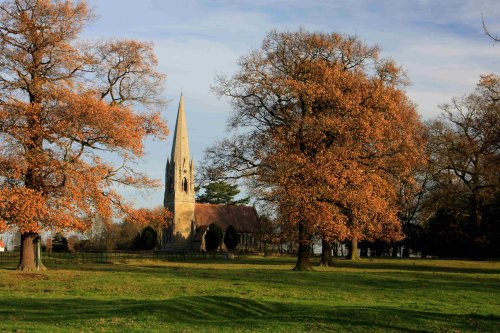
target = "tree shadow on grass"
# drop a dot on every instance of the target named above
(412, 265)
(266, 278)
(230, 313)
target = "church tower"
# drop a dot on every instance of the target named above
(179, 186)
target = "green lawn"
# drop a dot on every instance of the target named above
(254, 294)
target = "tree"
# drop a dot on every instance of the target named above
(465, 164)
(221, 192)
(488, 33)
(73, 241)
(323, 130)
(157, 218)
(146, 240)
(213, 237)
(231, 238)
(48, 244)
(59, 243)
(68, 111)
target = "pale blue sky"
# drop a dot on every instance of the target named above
(441, 45)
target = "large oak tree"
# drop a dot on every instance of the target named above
(63, 103)
(324, 131)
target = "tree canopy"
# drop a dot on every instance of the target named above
(68, 108)
(322, 129)
(221, 192)
(464, 169)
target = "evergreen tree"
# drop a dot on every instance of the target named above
(59, 243)
(221, 192)
(231, 238)
(213, 237)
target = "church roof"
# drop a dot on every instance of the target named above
(242, 218)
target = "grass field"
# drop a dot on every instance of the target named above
(254, 294)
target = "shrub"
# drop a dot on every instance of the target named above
(231, 238)
(146, 240)
(213, 237)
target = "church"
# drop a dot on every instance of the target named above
(190, 219)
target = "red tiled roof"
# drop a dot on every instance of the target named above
(242, 218)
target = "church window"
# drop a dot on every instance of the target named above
(185, 185)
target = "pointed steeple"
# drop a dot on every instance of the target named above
(180, 145)
(179, 184)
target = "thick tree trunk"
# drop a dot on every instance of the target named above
(304, 252)
(27, 260)
(303, 258)
(326, 254)
(353, 255)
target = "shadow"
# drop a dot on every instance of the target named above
(413, 265)
(263, 277)
(219, 313)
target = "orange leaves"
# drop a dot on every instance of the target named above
(66, 109)
(157, 218)
(329, 134)
(87, 120)
(24, 208)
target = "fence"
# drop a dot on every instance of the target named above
(49, 258)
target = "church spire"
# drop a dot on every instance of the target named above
(180, 145)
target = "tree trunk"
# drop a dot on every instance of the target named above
(303, 258)
(27, 260)
(304, 253)
(326, 254)
(395, 250)
(335, 249)
(353, 255)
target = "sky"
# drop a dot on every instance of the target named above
(440, 44)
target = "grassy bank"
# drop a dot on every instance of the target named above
(254, 294)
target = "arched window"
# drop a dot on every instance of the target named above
(184, 184)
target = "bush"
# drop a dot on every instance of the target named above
(146, 240)
(213, 237)
(231, 238)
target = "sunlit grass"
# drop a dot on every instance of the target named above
(254, 294)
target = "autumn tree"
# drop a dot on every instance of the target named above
(323, 129)
(68, 109)
(157, 219)
(221, 192)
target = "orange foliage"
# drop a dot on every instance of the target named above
(158, 218)
(326, 132)
(68, 111)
